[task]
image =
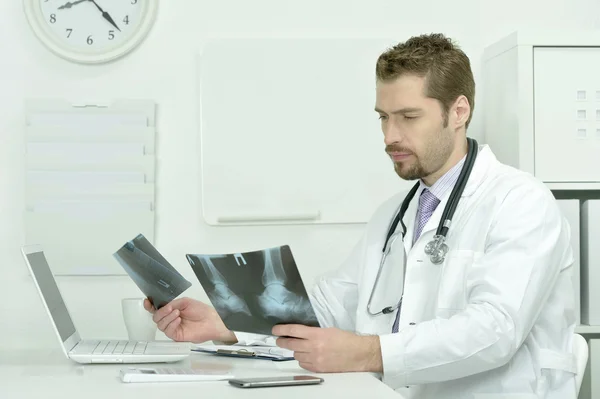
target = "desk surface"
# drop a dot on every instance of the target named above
(50, 374)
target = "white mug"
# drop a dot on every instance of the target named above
(138, 321)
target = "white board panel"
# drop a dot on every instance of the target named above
(590, 262)
(570, 210)
(289, 133)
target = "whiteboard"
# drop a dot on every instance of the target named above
(289, 133)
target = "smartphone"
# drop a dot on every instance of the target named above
(275, 381)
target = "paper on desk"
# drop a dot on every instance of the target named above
(266, 351)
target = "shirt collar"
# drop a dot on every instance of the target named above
(445, 183)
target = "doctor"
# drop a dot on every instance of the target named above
(465, 292)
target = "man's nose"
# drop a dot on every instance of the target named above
(392, 134)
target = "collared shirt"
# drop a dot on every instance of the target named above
(445, 183)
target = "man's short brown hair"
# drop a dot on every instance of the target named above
(444, 65)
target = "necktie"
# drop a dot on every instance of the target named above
(427, 204)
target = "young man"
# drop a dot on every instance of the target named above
(496, 317)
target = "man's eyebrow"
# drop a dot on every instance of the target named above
(400, 111)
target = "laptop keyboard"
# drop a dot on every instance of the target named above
(111, 347)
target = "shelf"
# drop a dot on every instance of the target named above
(89, 169)
(583, 329)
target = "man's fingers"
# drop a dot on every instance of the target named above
(295, 331)
(294, 344)
(159, 314)
(164, 322)
(148, 306)
(302, 357)
(172, 327)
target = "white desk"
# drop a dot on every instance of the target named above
(51, 375)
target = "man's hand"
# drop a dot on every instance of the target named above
(189, 320)
(330, 350)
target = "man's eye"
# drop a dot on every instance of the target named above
(382, 117)
(409, 117)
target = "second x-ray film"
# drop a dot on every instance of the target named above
(254, 291)
(151, 272)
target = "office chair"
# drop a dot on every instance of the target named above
(581, 351)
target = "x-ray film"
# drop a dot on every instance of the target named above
(151, 272)
(254, 291)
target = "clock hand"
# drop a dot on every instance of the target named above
(106, 15)
(69, 4)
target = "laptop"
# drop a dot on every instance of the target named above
(93, 350)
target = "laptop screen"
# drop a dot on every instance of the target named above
(52, 297)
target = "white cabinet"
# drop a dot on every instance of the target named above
(541, 105)
(566, 83)
(541, 110)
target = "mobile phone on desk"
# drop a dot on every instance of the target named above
(275, 381)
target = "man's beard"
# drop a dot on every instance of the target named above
(440, 150)
(415, 171)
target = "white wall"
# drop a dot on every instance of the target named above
(166, 61)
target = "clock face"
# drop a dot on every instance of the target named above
(90, 30)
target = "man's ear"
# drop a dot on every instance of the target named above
(462, 111)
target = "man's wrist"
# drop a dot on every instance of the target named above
(372, 356)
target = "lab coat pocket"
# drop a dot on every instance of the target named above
(452, 288)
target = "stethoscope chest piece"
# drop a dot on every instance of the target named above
(437, 249)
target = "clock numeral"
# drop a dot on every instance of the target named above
(90, 41)
(52, 18)
(126, 19)
(111, 34)
(69, 31)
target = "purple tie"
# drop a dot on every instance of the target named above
(427, 204)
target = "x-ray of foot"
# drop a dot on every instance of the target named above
(276, 300)
(221, 296)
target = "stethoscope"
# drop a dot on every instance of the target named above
(437, 247)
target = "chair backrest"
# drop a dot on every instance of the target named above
(581, 351)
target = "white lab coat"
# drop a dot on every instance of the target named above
(495, 320)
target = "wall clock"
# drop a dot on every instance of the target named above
(91, 31)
